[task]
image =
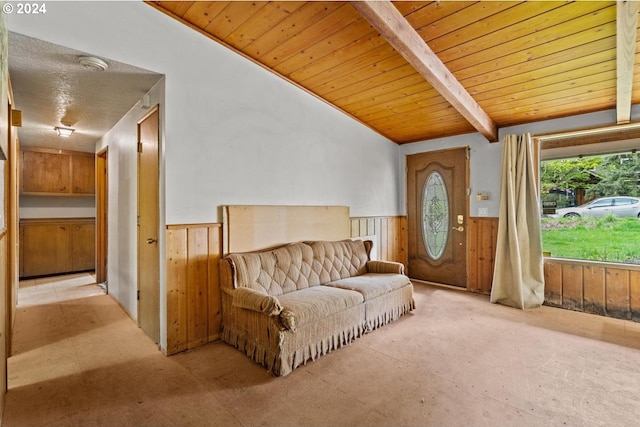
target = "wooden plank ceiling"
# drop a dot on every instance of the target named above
(518, 61)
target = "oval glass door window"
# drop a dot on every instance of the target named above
(435, 215)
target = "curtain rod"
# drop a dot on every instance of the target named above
(587, 132)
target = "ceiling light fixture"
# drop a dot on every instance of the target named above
(93, 63)
(64, 132)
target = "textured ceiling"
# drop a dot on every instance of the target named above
(52, 89)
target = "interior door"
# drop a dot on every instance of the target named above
(437, 209)
(148, 226)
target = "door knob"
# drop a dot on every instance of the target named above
(461, 228)
(150, 241)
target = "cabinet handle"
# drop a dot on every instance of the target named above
(150, 241)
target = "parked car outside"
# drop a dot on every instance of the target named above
(618, 206)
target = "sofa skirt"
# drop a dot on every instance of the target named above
(388, 307)
(262, 338)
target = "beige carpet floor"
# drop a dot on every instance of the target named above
(458, 360)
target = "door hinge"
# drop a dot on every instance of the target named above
(139, 147)
(468, 191)
(138, 295)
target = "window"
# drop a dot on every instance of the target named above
(621, 201)
(590, 200)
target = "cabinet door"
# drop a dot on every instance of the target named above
(45, 172)
(83, 247)
(83, 175)
(45, 249)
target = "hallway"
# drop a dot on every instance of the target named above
(79, 360)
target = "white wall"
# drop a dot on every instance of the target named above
(236, 134)
(485, 157)
(57, 207)
(232, 132)
(122, 158)
(484, 163)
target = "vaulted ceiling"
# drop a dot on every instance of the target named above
(415, 71)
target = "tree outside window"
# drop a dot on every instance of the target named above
(571, 182)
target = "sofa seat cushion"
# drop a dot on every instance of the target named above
(372, 285)
(315, 304)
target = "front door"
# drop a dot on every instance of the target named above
(148, 226)
(437, 216)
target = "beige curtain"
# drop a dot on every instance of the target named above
(518, 278)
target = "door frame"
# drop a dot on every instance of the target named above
(467, 220)
(12, 222)
(142, 240)
(102, 216)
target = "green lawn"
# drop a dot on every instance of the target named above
(596, 239)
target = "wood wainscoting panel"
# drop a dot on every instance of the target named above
(214, 305)
(572, 298)
(193, 287)
(388, 233)
(594, 285)
(606, 289)
(553, 284)
(634, 295)
(197, 286)
(482, 238)
(193, 290)
(617, 293)
(176, 290)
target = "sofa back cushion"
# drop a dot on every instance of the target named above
(339, 260)
(276, 271)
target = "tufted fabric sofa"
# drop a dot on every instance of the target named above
(285, 306)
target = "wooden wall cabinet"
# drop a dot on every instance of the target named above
(46, 171)
(53, 246)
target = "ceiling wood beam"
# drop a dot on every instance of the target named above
(399, 33)
(627, 25)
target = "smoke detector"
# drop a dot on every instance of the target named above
(93, 63)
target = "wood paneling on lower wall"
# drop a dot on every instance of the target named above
(193, 287)
(5, 311)
(193, 290)
(606, 289)
(481, 250)
(389, 235)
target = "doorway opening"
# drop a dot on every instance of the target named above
(102, 217)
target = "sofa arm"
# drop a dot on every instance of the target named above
(253, 300)
(227, 274)
(385, 267)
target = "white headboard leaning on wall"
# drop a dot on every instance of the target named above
(254, 227)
